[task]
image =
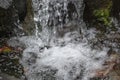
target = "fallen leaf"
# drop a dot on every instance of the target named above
(5, 49)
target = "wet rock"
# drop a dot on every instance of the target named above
(111, 68)
(18, 12)
(28, 24)
(110, 40)
(9, 61)
(67, 28)
(9, 64)
(8, 21)
(116, 9)
(21, 7)
(114, 73)
(5, 3)
(97, 12)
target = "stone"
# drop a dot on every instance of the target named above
(21, 7)
(28, 24)
(116, 9)
(17, 19)
(5, 3)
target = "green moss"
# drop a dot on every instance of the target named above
(103, 14)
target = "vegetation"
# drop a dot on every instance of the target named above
(103, 15)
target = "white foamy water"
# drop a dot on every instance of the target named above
(52, 15)
(69, 62)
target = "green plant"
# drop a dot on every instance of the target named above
(103, 16)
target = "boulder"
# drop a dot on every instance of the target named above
(116, 9)
(28, 23)
(16, 17)
(7, 19)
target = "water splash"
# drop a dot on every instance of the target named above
(56, 17)
(69, 62)
(58, 51)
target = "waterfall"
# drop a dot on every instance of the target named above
(59, 50)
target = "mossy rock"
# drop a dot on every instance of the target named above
(98, 12)
(103, 16)
(28, 23)
(103, 13)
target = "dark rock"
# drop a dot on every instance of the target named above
(116, 9)
(28, 24)
(71, 10)
(107, 35)
(9, 64)
(110, 8)
(21, 7)
(8, 18)
(18, 12)
(97, 12)
(5, 3)
(9, 61)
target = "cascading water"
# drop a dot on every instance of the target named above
(58, 51)
(52, 16)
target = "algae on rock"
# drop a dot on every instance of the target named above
(102, 14)
(97, 13)
(28, 24)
